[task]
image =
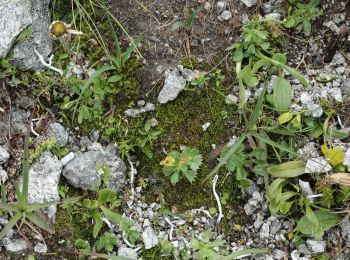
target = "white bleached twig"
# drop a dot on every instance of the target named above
(132, 177)
(32, 128)
(171, 228)
(215, 179)
(206, 212)
(48, 65)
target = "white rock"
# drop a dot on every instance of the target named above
(272, 16)
(249, 3)
(226, 15)
(265, 231)
(3, 176)
(221, 6)
(174, 83)
(43, 182)
(127, 252)
(317, 165)
(316, 246)
(315, 110)
(149, 238)
(258, 221)
(295, 255)
(231, 99)
(305, 98)
(205, 126)
(347, 158)
(309, 151)
(279, 254)
(4, 155)
(15, 246)
(306, 189)
(67, 158)
(336, 94)
(40, 248)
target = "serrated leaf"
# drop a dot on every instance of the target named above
(190, 175)
(285, 117)
(287, 170)
(335, 155)
(282, 94)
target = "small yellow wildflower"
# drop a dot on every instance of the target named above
(197, 75)
(168, 161)
(183, 160)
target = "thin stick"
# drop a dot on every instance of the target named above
(215, 179)
(48, 65)
(171, 228)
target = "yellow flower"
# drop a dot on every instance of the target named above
(183, 160)
(197, 75)
(58, 29)
(168, 161)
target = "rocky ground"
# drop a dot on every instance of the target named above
(323, 57)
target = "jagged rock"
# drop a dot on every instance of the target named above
(24, 56)
(316, 246)
(174, 83)
(136, 112)
(85, 170)
(149, 238)
(40, 248)
(44, 175)
(127, 252)
(18, 123)
(57, 131)
(249, 3)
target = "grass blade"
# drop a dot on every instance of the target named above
(255, 115)
(287, 170)
(133, 46)
(115, 218)
(8, 207)
(247, 252)
(272, 143)
(10, 224)
(40, 222)
(38, 206)
(227, 156)
(25, 173)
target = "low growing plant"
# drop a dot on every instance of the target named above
(182, 164)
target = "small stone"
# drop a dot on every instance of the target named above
(295, 255)
(258, 221)
(66, 159)
(3, 176)
(153, 122)
(57, 131)
(40, 248)
(141, 103)
(249, 209)
(231, 99)
(221, 6)
(226, 15)
(249, 3)
(174, 83)
(345, 87)
(146, 223)
(316, 246)
(275, 227)
(15, 246)
(149, 238)
(272, 16)
(4, 155)
(205, 126)
(264, 231)
(257, 196)
(207, 6)
(253, 202)
(127, 252)
(279, 254)
(317, 165)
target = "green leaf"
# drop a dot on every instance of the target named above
(267, 140)
(38, 206)
(23, 202)
(295, 74)
(114, 78)
(12, 222)
(282, 94)
(40, 222)
(190, 175)
(174, 178)
(115, 218)
(25, 34)
(281, 58)
(228, 155)
(98, 224)
(133, 46)
(245, 252)
(307, 27)
(309, 213)
(335, 154)
(287, 170)
(285, 117)
(8, 207)
(258, 108)
(325, 219)
(238, 56)
(106, 195)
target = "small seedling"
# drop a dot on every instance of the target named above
(22, 211)
(186, 164)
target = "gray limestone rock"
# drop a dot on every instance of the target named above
(24, 56)
(127, 252)
(44, 175)
(85, 170)
(174, 83)
(57, 131)
(149, 238)
(18, 124)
